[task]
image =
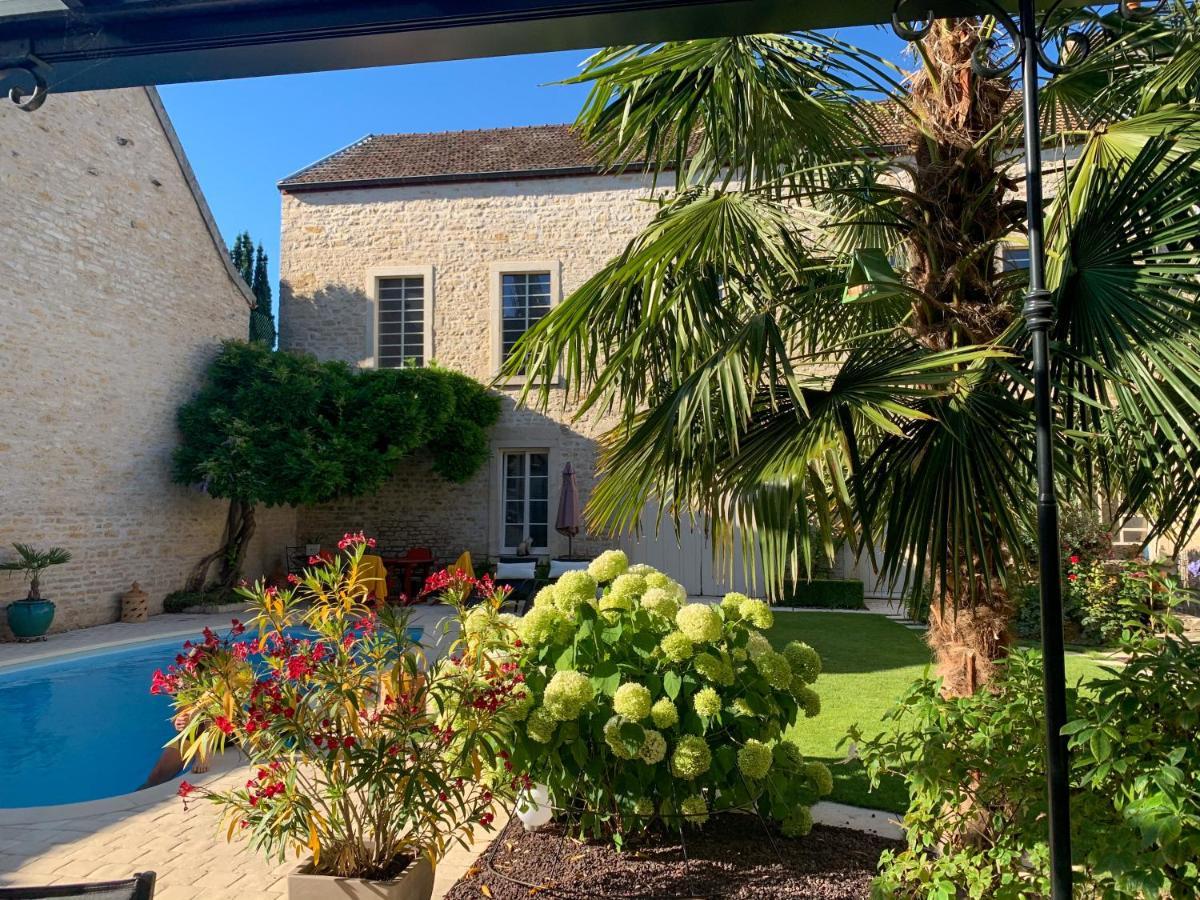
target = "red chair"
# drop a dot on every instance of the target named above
(407, 573)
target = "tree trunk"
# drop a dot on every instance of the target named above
(962, 204)
(239, 528)
(967, 642)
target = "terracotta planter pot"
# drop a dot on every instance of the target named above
(414, 883)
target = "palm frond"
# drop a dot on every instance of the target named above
(1124, 268)
(746, 107)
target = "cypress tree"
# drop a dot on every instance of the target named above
(262, 321)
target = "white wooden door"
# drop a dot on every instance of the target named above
(688, 557)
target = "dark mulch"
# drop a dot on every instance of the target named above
(731, 857)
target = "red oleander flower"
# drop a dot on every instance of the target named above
(293, 579)
(238, 627)
(224, 724)
(185, 788)
(163, 684)
(1072, 577)
(1074, 559)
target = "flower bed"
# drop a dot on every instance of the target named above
(730, 857)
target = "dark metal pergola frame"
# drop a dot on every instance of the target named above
(55, 46)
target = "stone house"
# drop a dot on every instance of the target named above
(444, 247)
(418, 248)
(116, 291)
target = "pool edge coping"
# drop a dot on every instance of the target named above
(60, 654)
(134, 801)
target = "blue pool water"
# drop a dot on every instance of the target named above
(87, 727)
(84, 728)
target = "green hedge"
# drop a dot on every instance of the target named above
(842, 593)
(182, 601)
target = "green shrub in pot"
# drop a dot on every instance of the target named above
(31, 617)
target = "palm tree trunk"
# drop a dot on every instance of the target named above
(963, 200)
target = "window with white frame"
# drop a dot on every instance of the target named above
(401, 319)
(526, 506)
(1014, 257)
(525, 297)
(1132, 532)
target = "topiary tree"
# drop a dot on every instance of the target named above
(282, 428)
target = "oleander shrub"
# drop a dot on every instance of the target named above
(643, 710)
(360, 753)
(975, 770)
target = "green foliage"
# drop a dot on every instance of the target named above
(251, 264)
(33, 562)
(283, 428)
(827, 593)
(182, 601)
(630, 736)
(975, 769)
(1135, 745)
(861, 372)
(1105, 601)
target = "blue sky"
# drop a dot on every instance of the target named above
(243, 136)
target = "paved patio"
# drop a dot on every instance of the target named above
(151, 830)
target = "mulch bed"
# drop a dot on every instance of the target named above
(731, 857)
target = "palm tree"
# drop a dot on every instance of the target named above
(813, 339)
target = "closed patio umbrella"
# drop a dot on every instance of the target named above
(567, 521)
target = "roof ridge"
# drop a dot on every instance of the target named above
(457, 131)
(327, 157)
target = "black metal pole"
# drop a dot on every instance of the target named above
(1039, 314)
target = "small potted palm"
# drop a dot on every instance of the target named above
(364, 758)
(30, 618)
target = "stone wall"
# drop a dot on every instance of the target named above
(115, 294)
(464, 232)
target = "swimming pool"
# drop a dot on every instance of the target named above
(83, 728)
(87, 727)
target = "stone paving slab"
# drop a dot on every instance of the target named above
(183, 846)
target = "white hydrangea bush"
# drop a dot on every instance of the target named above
(642, 709)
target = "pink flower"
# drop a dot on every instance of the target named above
(1072, 577)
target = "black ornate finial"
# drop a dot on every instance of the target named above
(1062, 36)
(27, 100)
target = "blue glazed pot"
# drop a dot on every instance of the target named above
(30, 619)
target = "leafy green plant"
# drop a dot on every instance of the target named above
(32, 563)
(180, 601)
(1135, 744)
(642, 710)
(975, 770)
(975, 774)
(359, 753)
(285, 429)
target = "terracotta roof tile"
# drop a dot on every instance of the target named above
(450, 155)
(531, 151)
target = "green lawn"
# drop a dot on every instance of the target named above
(868, 662)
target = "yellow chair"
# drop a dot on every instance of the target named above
(463, 565)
